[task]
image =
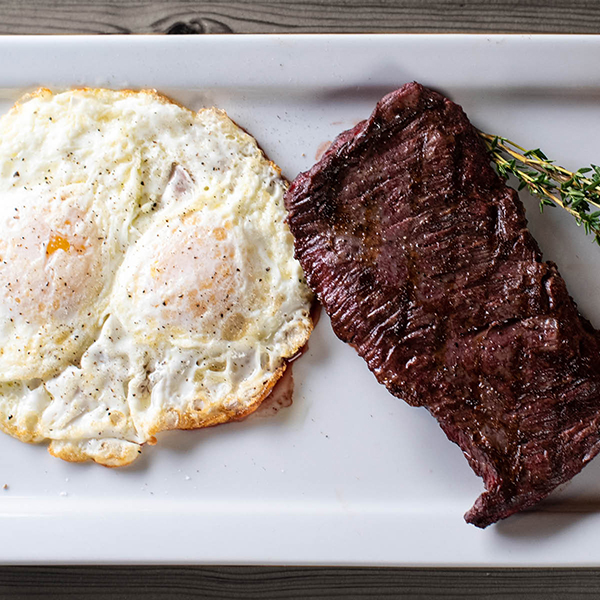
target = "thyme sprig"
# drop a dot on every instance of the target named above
(576, 192)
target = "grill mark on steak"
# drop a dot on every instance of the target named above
(421, 256)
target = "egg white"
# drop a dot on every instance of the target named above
(147, 278)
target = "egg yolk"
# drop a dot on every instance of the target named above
(57, 242)
(50, 263)
(185, 278)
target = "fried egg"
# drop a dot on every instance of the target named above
(147, 277)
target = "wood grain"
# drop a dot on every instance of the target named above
(245, 16)
(261, 583)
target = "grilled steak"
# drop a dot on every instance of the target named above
(421, 256)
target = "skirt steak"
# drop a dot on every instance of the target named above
(421, 256)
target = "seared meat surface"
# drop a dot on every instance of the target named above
(421, 256)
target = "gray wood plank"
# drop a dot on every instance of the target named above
(245, 16)
(262, 583)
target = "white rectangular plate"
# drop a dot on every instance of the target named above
(348, 474)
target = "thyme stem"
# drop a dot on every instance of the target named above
(574, 192)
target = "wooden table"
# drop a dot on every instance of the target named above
(244, 16)
(279, 16)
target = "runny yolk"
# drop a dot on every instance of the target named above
(57, 242)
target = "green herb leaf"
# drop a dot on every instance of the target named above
(576, 192)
